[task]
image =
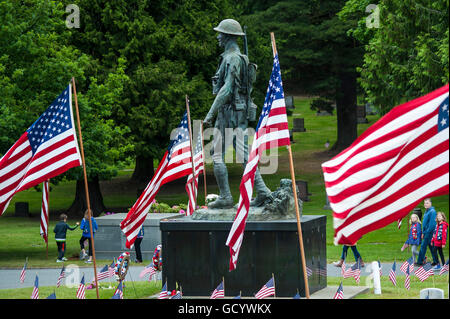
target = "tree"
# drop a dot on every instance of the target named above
(317, 55)
(36, 64)
(407, 55)
(170, 49)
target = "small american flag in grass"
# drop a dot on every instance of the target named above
(35, 292)
(267, 290)
(81, 292)
(407, 279)
(424, 272)
(339, 293)
(392, 274)
(61, 276)
(444, 268)
(23, 272)
(219, 292)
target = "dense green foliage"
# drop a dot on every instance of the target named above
(407, 55)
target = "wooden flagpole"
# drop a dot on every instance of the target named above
(192, 149)
(85, 184)
(294, 189)
(204, 162)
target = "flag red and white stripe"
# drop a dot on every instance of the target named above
(176, 163)
(219, 292)
(81, 291)
(407, 279)
(272, 131)
(267, 290)
(35, 292)
(23, 272)
(47, 148)
(192, 186)
(339, 293)
(392, 275)
(44, 211)
(397, 162)
(424, 272)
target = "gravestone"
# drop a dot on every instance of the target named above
(298, 124)
(289, 100)
(21, 209)
(302, 187)
(361, 114)
(432, 293)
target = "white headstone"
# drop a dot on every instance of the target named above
(432, 293)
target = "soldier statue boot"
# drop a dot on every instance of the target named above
(225, 200)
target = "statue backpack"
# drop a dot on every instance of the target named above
(249, 79)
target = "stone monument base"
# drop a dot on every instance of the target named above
(196, 258)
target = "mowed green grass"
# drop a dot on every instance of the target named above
(19, 237)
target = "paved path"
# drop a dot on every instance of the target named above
(48, 276)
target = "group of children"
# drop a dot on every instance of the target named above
(60, 231)
(431, 233)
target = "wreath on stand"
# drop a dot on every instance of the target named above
(121, 266)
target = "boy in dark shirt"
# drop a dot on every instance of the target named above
(60, 231)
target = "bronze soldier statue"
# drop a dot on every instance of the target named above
(234, 108)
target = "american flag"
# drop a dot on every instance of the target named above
(354, 271)
(396, 163)
(148, 270)
(343, 268)
(393, 275)
(104, 273)
(296, 296)
(44, 211)
(339, 293)
(62, 274)
(272, 131)
(175, 163)
(81, 291)
(118, 294)
(178, 295)
(424, 272)
(47, 148)
(52, 296)
(23, 272)
(407, 279)
(444, 268)
(35, 292)
(267, 290)
(408, 264)
(199, 166)
(219, 292)
(163, 294)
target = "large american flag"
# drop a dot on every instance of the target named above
(393, 275)
(35, 292)
(272, 131)
(219, 292)
(397, 162)
(175, 163)
(267, 290)
(81, 291)
(199, 166)
(44, 211)
(424, 271)
(47, 148)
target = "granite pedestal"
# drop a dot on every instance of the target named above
(195, 256)
(110, 240)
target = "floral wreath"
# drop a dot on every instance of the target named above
(121, 266)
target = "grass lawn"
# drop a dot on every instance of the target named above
(131, 290)
(389, 291)
(19, 237)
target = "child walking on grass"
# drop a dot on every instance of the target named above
(60, 231)
(439, 238)
(415, 236)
